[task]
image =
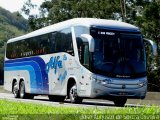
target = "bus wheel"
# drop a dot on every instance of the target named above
(16, 90)
(120, 102)
(22, 90)
(73, 95)
(56, 98)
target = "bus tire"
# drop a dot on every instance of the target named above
(22, 92)
(73, 95)
(56, 98)
(15, 90)
(120, 102)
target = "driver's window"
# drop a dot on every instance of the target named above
(83, 52)
(86, 55)
(79, 47)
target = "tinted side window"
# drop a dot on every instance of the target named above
(44, 45)
(60, 41)
(10, 53)
(38, 45)
(67, 41)
(52, 38)
(78, 31)
(64, 41)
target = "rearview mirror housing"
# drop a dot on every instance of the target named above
(153, 45)
(90, 40)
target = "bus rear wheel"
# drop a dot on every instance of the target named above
(22, 92)
(120, 102)
(16, 90)
(73, 95)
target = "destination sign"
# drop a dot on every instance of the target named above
(106, 33)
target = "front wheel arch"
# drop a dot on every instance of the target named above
(70, 83)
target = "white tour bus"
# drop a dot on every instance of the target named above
(76, 59)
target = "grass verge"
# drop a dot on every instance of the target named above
(21, 110)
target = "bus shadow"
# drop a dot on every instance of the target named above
(91, 103)
(95, 104)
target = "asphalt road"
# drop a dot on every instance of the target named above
(98, 103)
(152, 98)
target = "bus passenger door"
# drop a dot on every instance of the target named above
(83, 50)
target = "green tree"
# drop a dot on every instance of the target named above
(151, 29)
(59, 10)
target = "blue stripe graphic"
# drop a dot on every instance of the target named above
(36, 68)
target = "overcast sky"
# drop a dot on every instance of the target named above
(16, 5)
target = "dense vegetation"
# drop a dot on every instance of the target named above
(11, 25)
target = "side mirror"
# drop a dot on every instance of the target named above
(90, 40)
(153, 45)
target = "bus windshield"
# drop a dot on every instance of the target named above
(118, 54)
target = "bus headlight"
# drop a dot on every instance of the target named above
(94, 79)
(102, 82)
(142, 82)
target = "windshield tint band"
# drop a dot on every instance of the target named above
(117, 29)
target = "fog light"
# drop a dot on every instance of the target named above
(142, 82)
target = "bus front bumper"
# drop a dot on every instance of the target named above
(118, 90)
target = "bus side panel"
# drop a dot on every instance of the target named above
(84, 88)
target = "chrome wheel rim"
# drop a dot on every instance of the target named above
(22, 90)
(73, 93)
(15, 89)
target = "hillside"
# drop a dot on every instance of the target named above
(11, 25)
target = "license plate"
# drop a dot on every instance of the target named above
(123, 93)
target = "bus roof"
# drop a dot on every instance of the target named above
(87, 22)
